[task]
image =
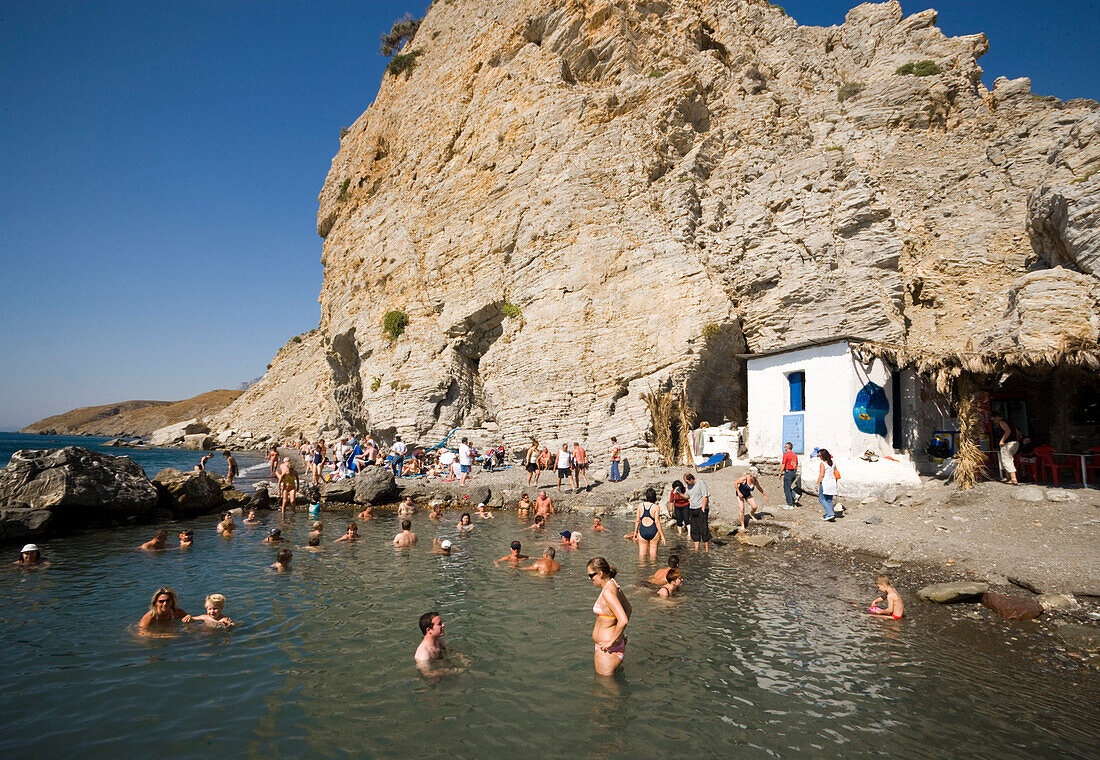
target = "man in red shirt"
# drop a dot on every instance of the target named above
(790, 473)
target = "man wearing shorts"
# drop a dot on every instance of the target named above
(580, 464)
(465, 461)
(563, 463)
(698, 510)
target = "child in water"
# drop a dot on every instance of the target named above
(894, 607)
(214, 617)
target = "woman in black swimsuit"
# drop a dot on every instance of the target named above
(647, 528)
(745, 484)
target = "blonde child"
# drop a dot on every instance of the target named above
(214, 617)
(894, 607)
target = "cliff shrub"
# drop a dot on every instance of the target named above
(919, 69)
(375, 384)
(510, 310)
(849, 90)
(394, 384)
(710, 329)
(297, 339)
(656, 74)
(344, 189)
(403, 63)
(400, 35)
(780, 8)
(394, 323)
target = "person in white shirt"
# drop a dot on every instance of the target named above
(399, 449)
(465, 461)
(564, 460)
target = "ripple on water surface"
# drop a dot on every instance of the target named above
(761, 658)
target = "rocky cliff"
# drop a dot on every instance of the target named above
(577, 202)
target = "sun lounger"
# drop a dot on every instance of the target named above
(713, 463)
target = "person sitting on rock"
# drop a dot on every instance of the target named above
(156, 543)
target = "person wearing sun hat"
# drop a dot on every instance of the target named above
(30, 556)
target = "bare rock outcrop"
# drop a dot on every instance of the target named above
(75, 486)
(575, 203)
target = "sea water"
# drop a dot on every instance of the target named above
(252, 464)
(764, 656)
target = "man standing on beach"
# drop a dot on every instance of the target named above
(530, 460)
(231, 468)
(564, 467)
(790, 473)
(580, 464)
(465, 460)
(698, 510)
(616, 455)
(399, 449)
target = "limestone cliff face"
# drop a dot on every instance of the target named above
(656, 186)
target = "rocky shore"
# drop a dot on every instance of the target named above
(51, 492)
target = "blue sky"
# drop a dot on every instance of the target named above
(160, 164)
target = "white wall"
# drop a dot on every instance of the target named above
(833, 378)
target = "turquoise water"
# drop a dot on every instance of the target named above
(765, 656)
(252, 464)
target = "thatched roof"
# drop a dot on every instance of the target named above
(1052, 322)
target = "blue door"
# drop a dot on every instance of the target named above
(794, 430)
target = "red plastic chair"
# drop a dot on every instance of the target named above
(1045, 455)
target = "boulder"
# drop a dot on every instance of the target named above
(199, 442)
(1012, 607)
(757, 539)
(950, 593)
(262, 499)
(1060, 494)
(1028, 493)
(77, 486)
(20, 524)
(1057, 602)
(234, 499)
(173, 434)
(480, 495)
(340, 491)
(188, 493)
(375, 485)
(890, 495)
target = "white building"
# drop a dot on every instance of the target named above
(821, 394)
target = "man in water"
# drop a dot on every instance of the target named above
(433, 650)
(406, 507)
(545, 566)
(406, 537)
(444, 547)
(514, 556)
(231, 468)
(156, 543)
(544, 507)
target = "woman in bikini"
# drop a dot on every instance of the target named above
(612, 614)
(744, 485)
(647, 528)
(288, 484)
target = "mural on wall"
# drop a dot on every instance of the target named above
(870, 409)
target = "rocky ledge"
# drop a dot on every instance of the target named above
(49, 492)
